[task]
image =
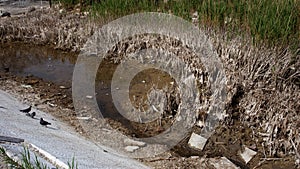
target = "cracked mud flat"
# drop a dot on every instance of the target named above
(239, 129)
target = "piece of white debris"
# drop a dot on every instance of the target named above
(51, 104)
(84, 118)
(62, 87)
(89, 97)
(131, 148)
(131, 142)
(26, 86)
(247, 154)
(197, 141)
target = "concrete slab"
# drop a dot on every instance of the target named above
(59, 140)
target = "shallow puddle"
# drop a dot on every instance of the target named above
(39, 61)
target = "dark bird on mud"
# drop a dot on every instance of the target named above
(44, 123)
(6, 69)
(31, 114)
(27, 110)
(4, 14)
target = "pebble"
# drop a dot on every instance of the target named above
(131, 148)
(52, 105)
(89, 97)
(247, 154)
(62, 87)
(131, 142)
(26, 86)
(83, 118)
(197, 141)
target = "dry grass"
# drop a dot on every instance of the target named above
(268, 82)
(48, 27)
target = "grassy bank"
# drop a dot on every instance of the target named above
(276, 22)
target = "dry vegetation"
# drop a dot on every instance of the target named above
(264, 84)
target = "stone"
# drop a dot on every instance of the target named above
(131, 148)
(26, 86)
(62, 87)
(84, 118)
(89, 97)
(131, 142)
(247, 154)
(197, 141)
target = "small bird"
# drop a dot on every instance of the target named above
(6, 69)
(4, 14)
(44, 123)
(27, 110)
(31, 114)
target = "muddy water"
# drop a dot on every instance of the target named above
(140, 86)
(39, 61)
(57, 67)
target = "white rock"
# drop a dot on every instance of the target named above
(51, 104)
(61, 11)
(131, 148)
(26, 86)
(62, 87)
(89, 97)
(222, 163)
(84, 118)
(131, 142)
(297, 162)
(197, 141)
(248, 154)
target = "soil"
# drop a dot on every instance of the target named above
(246, 124)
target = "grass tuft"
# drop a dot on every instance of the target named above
(26, 161)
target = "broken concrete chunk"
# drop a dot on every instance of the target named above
(131, 142)
(197, 141)
(131, 148)
(247, 154)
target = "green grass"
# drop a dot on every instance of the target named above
(275, 22)
(26, 161)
